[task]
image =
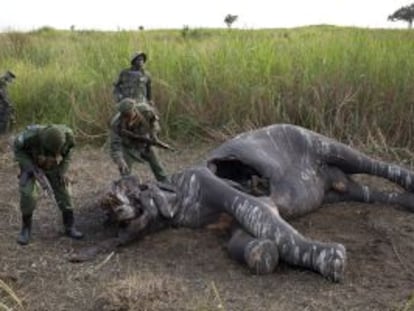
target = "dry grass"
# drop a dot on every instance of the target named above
(146, 291)
(8, 298)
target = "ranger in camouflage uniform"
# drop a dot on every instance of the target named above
(44, 149)
(134, 82)
(6, 106)
(133, 136)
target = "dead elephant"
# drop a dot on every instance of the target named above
(261, 179)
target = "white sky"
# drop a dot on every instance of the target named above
(130, 14)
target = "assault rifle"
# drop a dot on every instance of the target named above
(44, 183)
(143, 139)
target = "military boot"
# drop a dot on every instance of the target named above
(25, 232)
(68, 222)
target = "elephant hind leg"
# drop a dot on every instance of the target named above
(351, 161)
(345, 189)
(260, 255)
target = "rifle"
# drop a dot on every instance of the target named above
(44, 183)
(141, 138)
(163, 145)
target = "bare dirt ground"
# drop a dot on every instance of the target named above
(182, 269)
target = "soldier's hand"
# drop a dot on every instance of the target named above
(124, 169)
(46, 162)
(64, 180)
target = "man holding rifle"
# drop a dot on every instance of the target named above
(133, 136)
(43, 153)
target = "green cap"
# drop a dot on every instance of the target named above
(10, 74)
(52, 139)
(125, 105)
(139, 53)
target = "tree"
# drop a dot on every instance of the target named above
(230, 19)
(405, 13)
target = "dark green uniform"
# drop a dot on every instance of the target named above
(33, 151)
(135, 84)
(125, 150)
(6, 106)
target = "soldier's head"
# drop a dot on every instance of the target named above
(9, 76)
(147, 111)
(52, 139)
(127, 109)
(138, 59)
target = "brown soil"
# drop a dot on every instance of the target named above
(182, 269)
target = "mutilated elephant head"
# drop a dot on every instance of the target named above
(121, 201)
(138, 205)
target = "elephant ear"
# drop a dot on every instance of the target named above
(165, 201)
(167, 209)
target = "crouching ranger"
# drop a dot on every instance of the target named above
(43, 153)
(133, 135)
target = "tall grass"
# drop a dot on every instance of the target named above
(354, 84)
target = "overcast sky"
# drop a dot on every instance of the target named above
(130, 14)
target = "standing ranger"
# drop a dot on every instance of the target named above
(7, 118)
(133, 137)
(134, 82)
(43, 153)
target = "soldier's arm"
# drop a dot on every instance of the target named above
(115, 145)
(67, 152)
(21, 154)
(155, 127)
(149, 89)
(117, 94)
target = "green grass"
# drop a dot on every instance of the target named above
(354, 84)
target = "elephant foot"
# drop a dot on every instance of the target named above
(406, 200)
(330, 261)
(261, 256)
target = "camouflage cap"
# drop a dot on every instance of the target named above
(52, 138)
(147, 111)
(10, 74)
(139, 53)
(125, 105)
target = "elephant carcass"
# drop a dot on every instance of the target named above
(261, 178)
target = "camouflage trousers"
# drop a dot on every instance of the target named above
(29, 189)
(148, 155)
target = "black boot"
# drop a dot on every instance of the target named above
(25, 232)
(68, 222)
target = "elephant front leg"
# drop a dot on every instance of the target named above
(260, 255)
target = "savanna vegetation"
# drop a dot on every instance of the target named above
(354, 84)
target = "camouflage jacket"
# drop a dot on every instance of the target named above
(5, 102)
(28, 148)
(135, 84)
(148, 128)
